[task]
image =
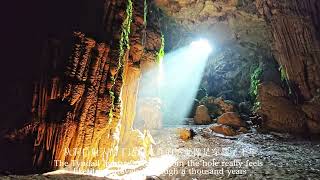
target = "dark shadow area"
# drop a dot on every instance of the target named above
(26, 28)
(16, 157)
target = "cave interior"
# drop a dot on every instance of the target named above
(117, 75)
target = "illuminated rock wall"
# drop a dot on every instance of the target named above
(85, 111)
(134, 144)
(79, 110)
(149, 113)
(132, 140)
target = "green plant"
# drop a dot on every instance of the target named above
(255, 81)
(256, 105)
(125, 32)
(145, 12)
(160, 54)
(283, 74)
(110, 114)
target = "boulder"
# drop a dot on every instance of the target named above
(231, 119)
(218, 106)
(223, 129)
(245, 107)
(312, 110)
(313, 114)
(313, 126)
(209, 103)
(186, 134)
(224, 105)
(279, 113)
(202, 115)
(271, 89)
(243, 130)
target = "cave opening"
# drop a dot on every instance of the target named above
(161, 89)
(175, 81)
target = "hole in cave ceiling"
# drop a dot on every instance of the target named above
(241, 38)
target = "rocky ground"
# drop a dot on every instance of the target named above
(263, 156)
(213, 156)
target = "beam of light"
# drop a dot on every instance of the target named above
(201, 46)
(176, 81)
(139, 169)
(136, 170)
(182, 74)
(179, 76)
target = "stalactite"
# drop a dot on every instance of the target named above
(130, 80)
(82, 108)
(89, 101)
(78, 40)
(296, 43)
(149, 110)
(129, 98)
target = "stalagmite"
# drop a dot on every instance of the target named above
(87, 102)
(86, 115)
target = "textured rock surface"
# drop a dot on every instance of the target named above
(224, 105)
(279, 113)
(294, 27)
(202, 115)
(131, 138)
(82, 107)
(223, 129)
(245, 39)
(186, 134)
(218, 106)
(241, 39)
(149, 113)
(80, 99)
(231, 119)
(312, 111)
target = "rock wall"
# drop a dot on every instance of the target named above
(132, 142)
(80, 108)
(84, 111)
(295, 31)
(239, 35)
(149, 114)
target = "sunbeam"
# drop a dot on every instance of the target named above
(179, 76)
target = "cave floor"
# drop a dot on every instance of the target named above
(210, 156)
(262, 156)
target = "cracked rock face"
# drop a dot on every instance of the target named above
(222, 21)
(92, 103)
(239, 34)
(248, 34)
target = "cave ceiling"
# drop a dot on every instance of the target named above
(232, 24)
(239, 34)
